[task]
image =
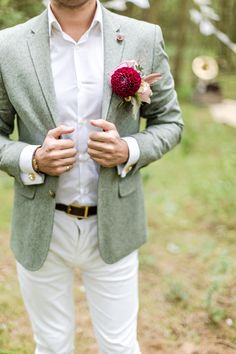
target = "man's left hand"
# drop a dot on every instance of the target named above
(106, 147)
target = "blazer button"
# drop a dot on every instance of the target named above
(51, 193)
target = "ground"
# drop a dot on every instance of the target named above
(224, 112)
(188, 267)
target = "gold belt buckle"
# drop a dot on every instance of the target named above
(85, 216)
(85, 213)
(69, 209)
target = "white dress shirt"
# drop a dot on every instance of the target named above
(78, 74)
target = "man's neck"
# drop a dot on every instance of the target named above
(75, 21)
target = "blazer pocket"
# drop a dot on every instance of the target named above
(129, 184)
(26, 191)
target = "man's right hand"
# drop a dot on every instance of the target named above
(56, 155)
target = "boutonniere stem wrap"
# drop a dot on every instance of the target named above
(129, 83)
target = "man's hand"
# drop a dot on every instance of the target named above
(107, 148)
(56, 155)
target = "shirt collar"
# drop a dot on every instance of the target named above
(53, 23)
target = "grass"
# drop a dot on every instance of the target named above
(190, 259)
(188, 267)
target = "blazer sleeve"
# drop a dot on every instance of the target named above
(164, 122)
(9, 150)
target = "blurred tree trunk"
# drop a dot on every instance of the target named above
(225, 7)
(232, 32)
(233, 27)
(227, 26)
(154, 14)
(181, 40)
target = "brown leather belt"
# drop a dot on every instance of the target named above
(81, 212)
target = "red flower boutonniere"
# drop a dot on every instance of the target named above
(129, 83)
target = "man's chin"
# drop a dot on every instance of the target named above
(71, 4)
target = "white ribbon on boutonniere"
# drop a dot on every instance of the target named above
(128, 82)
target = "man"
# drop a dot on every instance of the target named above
(78, 196)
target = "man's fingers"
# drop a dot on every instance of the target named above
(104, 163)
(62, 129)
(106, 137)
(98, 136)
(67, 162)
(64, 162)
(103, 124)
(100, 146)
(99, 154)
(60, 144)
(63, 154)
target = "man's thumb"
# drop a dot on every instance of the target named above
(62, 129)
(103, 124)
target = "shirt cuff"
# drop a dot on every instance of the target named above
(28, 174)
(134, 155)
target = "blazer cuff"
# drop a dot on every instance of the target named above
(28, 174)
(134, 155)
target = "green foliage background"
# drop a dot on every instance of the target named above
(17, 11)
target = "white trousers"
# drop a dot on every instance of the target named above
(111, 291)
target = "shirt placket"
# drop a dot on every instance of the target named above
(79, 185)
(82, 156)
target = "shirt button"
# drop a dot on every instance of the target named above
(31, 176)
(51, 193)
(82, 121)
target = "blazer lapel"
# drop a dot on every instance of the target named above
(113, 52)
(39, 47)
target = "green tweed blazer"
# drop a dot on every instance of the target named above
(27, 96)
